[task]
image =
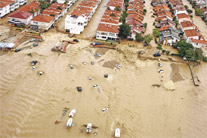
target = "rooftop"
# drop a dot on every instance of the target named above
(43, 18)
(20, 14)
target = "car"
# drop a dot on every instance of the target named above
(17, 50)
(145, 44)
(75, 40)
(79, 89)
(97, 55)
(71, 66)
(35, 44)
(32, 39)
(40, 40)
(157, 54)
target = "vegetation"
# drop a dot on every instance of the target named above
(156, 32)
(59, 8)
(66, 2)
(198, 12)
(148, 38)
(144, 11)
(139, 37)
(44, 4)
(113, 15)
(123, 17)
(108, 8)
(186, 50)
(52, 15)
(54, 1)
(117, 8)
(145, 25)
(175, 21)
(124, 31)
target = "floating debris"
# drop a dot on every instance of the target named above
(64, 112)
(105, 75)
(79, 89)
(69, 122)
(57, 122)
(72, 113)
(104, 109)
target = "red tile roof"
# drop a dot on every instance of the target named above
(182, 15)
(191, 32)
(186, 24)
(199, 41)
(20, 15)
(165, 28)
(3, 4)
(43, 18)
(108, 28)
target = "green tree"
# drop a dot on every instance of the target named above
(199, 54)
(198, 12)
(145, 25)
(124, 31)
(148, 38)
(43, 4)
(59, 8)
(113, 15)
(108, 8)
(139, 37)
(123, 17)
(190, 54)
(117, 8)
(156, 32)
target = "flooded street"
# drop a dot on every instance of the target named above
(90, 29)
(197, 20)
(149, 20)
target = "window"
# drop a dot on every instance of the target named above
(35, 22)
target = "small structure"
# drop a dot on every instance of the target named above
(6, 46)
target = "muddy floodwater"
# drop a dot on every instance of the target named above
(34, 105)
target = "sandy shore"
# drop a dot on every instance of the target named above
(30, 104)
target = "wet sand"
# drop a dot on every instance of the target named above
(30, 104)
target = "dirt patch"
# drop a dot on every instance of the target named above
(110, 64)
(102, 51)
(175, 74)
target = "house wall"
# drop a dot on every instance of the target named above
(75, 25)
(106, 35)
(42, 25)
(188, 39)
(186, 28)
(25, 21)
(180, 12)
(5, 10)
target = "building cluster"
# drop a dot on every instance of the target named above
(135, 17)
(81, 15)
(7, 6)
(108, 27)
(32, 15)
(172, 25)
(164, 21)
(190, 31)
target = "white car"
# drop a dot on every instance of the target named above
(69, 122)
(117, 133)
(89, 128)
(72, 113)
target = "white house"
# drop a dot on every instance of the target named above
(43, 22)
(20, 17)
(187, 25)
(75, 24)
(4, 9)
(107, 32)
(22, 2)
(198, 43)
(191, 34)
(183, 17)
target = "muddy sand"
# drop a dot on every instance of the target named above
(37, 106)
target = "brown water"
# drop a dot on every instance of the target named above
(30, 104)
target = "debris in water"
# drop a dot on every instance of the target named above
(106, 76)
(79, 89)
(64, 112)
(40, 73)
(33, 68)
(92, 63)
(57, 122)
(34, 62)
(104, 109)
(156, 85)
(84, 63)
(90, 78)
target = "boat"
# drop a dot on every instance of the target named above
(69, 122)
(89, 127)
(72, 113)
(117, 133)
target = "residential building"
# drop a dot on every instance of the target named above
(42, 22)
(183, 17)
(20, 17)
(198, 43)
(107, 32)
(4, 8)
(169, 35)
(187, 25)
(191, 34)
